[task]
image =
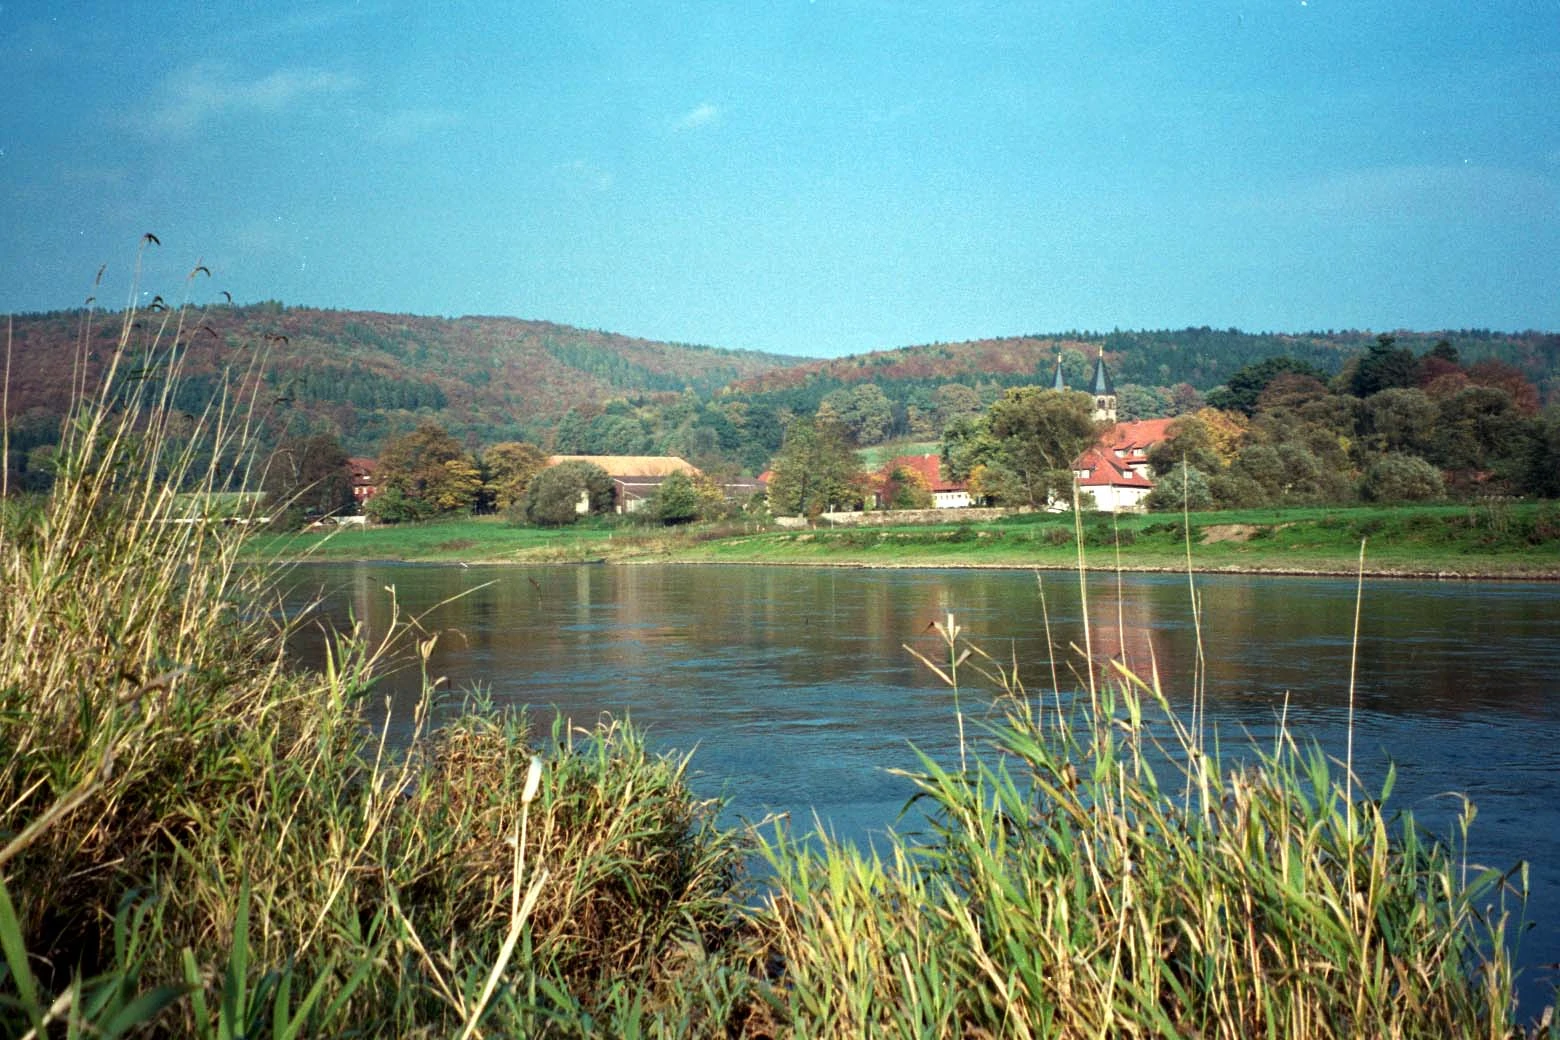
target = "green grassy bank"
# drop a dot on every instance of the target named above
(1493, 540)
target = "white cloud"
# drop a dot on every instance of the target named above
(705, 114)
(201, 93)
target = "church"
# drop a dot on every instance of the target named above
(1100, 388)
(1115, 471)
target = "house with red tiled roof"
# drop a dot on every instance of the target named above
(946, 494)
(1129, 442)
(365, 482)
(1115, 471)
(1115, 485)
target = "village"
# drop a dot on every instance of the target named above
(1113, 475)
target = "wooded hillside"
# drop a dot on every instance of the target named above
(366, 377)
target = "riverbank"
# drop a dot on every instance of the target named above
(1517, 541)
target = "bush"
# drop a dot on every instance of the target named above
(1183, 487)
(1235, 490)
(1098, 535)
(393, 506)
(561, 494)
(676, 501)
(1395, 477)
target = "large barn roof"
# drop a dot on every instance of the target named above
(632, 465)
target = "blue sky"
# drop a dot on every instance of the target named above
(813, 177)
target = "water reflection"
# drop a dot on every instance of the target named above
(794, 689)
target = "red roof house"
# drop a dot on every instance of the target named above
(1116, 470)
(946, 494)
(1129, 442)
(365, 482)
(1116, 486)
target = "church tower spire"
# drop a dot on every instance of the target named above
(1102, 388)
(1058, 382)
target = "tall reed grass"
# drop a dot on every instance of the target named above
(1097, 873)
(197, 838)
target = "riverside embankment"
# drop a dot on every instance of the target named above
(1489, 541)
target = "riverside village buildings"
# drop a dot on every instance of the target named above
(1114, 472)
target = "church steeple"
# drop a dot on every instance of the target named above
(1057, 380)
(1103, 389)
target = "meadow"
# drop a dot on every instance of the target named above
(1496, 539)
(198, 837)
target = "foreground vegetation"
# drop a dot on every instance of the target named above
(197, 838)
(1489, 540)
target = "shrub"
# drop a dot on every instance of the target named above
(1099, 535)
(676, 501)
(561, 494)
(1183, 487)
(1395, 477)
(1234, 490)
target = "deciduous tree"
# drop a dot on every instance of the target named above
(676, 501)
(308, 477)
(815, 472)
(906, 488)
(1400, 420)
(1187, 441)
(1396, 477)
(564, 493)
(1040, 432)
(1182, 487)
(863, 412)
(507, 467)
(954, 401)
(1243, 389)
(430, 471)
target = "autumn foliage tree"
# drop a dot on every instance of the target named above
(1022, 450)
(507, 467)
(907, 488)
(423, 474)
(676, 501)
(1039, 433)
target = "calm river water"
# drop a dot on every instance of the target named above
(794, 691)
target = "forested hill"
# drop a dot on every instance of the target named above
(1202, 358)
(367, 376)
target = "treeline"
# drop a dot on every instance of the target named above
(366, 378)
(1391, 425)
(426, 473)
(1157, 373)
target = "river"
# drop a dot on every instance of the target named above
(794, 691)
